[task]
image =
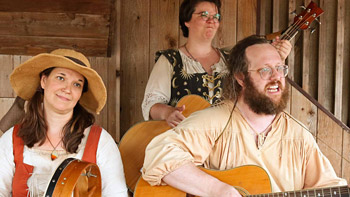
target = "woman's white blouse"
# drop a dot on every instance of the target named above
(107, 157)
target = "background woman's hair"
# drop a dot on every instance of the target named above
(187, 8)
(33, 125)
(237, 63)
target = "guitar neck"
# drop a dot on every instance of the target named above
(289, 33)
(329, 191)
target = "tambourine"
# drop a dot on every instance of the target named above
(76, 177)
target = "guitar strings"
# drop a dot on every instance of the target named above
(294, 28)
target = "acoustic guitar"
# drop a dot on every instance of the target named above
(75, 177)
(133, 144)
(249, 180)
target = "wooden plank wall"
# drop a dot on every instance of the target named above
(37, 26)
(319, 64)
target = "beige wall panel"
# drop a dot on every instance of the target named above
(182, 40)
(226, 34)
(7, 65)
(134, 59)
(246, 20)
(346, 73)
(113, 75)
(101, 67)
(303, 110)
(53, 24)
(326, 54)
(346, 156)
(346, 170)
(332, 156)
(87, 7)
(41, 44)
(5, 104)
(329, 138)
(164, 26)
(339, 62)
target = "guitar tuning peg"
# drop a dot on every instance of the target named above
(319, 22)
(313, 30)
(294, 13)
(303, 7)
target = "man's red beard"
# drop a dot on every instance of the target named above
(262, 104)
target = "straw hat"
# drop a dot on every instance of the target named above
(25, 78)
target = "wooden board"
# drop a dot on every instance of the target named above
(339, 64)
(134, 59)
(33, 45)
(100, 65)
(76, 6)
(329, 138)
(303, 110)
(7, 65)
(246, 20)
(326, 67)
(346, 156)
(54, 24)
(113, 75)
(5, 104)
(163, 36)
(226, 34)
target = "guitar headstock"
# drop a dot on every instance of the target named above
(305, 18)
(301, 21)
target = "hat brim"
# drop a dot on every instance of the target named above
(25, 79)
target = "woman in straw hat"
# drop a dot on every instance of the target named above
(62, 92)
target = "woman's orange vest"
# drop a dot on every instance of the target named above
(24, 171)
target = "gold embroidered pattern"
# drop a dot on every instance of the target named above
(216, 95)
(211, 79)
(185, 75)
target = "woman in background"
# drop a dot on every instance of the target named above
(197, 67)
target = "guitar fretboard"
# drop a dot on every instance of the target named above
(343, 191)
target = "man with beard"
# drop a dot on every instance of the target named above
(249, 127)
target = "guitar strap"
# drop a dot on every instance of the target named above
(24, 171)
(92, 144)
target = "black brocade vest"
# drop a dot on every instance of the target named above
(183, 83)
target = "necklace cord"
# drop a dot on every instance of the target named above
(190, 54)
(54, 154)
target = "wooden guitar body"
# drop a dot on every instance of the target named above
(249, 179)
(133, 144)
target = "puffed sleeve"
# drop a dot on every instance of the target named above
(191, 141)
(7, 168)
(111, 167)
(158, 89)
